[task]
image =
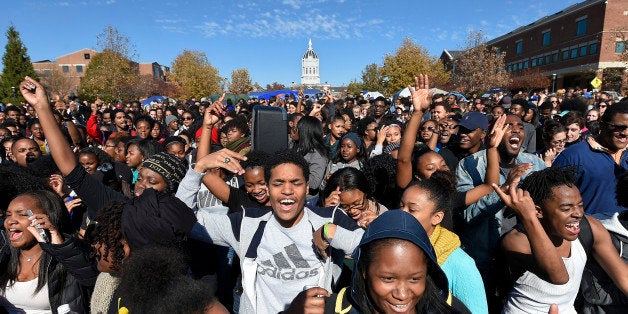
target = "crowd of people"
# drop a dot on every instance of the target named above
(512, 203)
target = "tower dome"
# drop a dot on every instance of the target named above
(309, 67)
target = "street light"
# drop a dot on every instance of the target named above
(554, 83)
(14, 96)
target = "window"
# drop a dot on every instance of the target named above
(509, 68)
(581, 26)
(539, 61)
(620, 46)
(65, 68)
(519, 46)
(555, 57)
(79, 69)
(534, 62)
(565, 54)
(46, 72)
(87, 56)
(593, 48)
(520, 66)
(525, 64)
(499, 51)
(583, 51)
(547, 38)
(574, 53)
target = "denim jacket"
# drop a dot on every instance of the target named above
(483, 219)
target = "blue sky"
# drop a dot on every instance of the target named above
(267, 37)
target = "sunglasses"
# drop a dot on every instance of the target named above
(616, 127)
(427, 128)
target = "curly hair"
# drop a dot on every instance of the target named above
(540, 183)
(255, 159)
(154, 281)
(106, 230)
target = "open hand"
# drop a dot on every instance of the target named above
(497, 134)
(421, 94)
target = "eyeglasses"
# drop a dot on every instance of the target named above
(616, 127)
(558, 142)
(427, 128)
(360, 206)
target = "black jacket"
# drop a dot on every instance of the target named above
(71, 272)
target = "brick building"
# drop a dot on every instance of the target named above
(74, 65)
(572, 46)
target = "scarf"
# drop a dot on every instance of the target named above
(242, 145)
(444, 242)
(103, 292)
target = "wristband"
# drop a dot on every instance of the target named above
(326, 236)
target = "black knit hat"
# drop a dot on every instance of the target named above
(171, 168)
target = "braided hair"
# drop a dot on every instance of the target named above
(540, 183)
(106, 231)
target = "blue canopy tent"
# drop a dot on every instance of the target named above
(268, 94)
(148, 100)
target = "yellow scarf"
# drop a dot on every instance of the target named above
(444, 242)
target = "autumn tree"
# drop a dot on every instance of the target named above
(275, 86)
(17, 65)
(57, 84)
(530, 79)
(111, 74)
(257, 87)
(195, 75)
(408, 61)
(240, 82)
(479, 67)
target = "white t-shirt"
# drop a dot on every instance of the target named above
(286, 263)
(19, 298)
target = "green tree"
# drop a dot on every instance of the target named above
(17, 65)
(195, 75)
(408, 61)
(480, 67)
(111, 74)
(240, 82)
(354, 87)
(373, 78)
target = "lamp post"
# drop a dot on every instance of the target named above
(554, 83)
(14, 96)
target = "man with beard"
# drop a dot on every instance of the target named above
(487, 219)
(25, 151)
(599, 160)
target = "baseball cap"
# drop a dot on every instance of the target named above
(474, 120)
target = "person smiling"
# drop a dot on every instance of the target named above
(269, 243)
(547, 253)
(600, 159)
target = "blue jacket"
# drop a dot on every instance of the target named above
(596, 176)
(484, 218)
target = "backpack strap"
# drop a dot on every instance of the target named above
(251, 252)
(339, 303)
(586, 236)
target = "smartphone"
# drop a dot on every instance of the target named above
(41, 231)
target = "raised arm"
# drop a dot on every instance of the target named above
(607, 256)
(35, 95)
(225, 159)
(210, 119)
(536, 240)
(421, 99)
(492, 163)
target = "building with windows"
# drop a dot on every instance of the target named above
(73, 66)
(310, 75)
(573, 46)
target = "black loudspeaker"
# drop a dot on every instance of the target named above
(270, 129)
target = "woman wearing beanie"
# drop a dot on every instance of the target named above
(157, 181)
(350, 154)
